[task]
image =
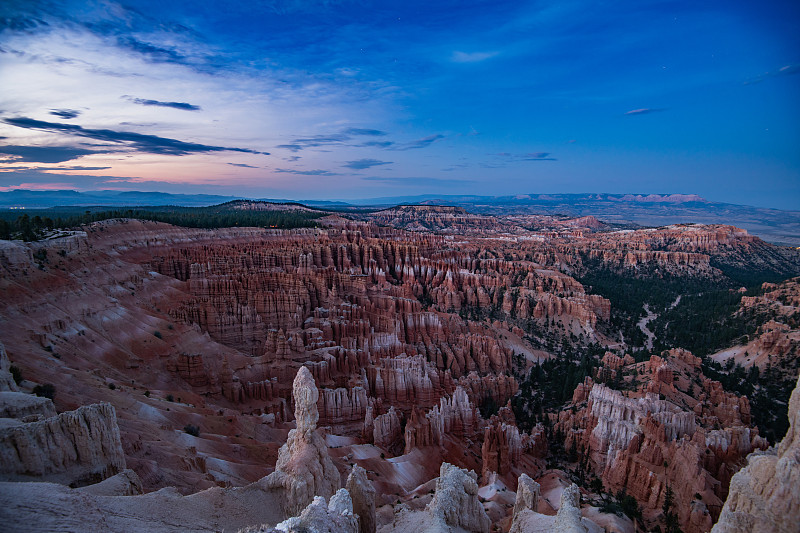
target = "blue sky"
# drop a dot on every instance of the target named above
(361, 99)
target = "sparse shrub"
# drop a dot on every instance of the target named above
(48, 390)
(147, 393)
(112, 386)
(192, 430)
(170, 398)
(157, 334)
(170, 327)
(16, 373)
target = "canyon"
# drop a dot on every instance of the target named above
(374, 374)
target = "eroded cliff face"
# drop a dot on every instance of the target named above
(405, 337)
(657, 435)
(765, 494)
(74, 448)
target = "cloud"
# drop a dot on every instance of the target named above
(419, 143)
(175, 105)
(530, 156)
(362, 164)
(152, 144)
(471, 57)
(417, 181)
(43, 154)
(341, 138)
(150, 51)
(538, 156)
(292, 147)
(376, 144)
(362, 131)
(51, 169)
(65, 113)
(786, 70)
(37, 186)
(645, 111)
(242, 165)
(308, 172)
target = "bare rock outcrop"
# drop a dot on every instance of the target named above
(304, 468)
(74, 448)
(362, 494)
(527, 494)
(456, 502)
(568, 520)
(335, 517)
(126, 483)
(765, 495)
(7, 382)
(527, 502)
(21, 406)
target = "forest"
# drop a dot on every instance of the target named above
(37, 224)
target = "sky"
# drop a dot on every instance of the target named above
(357, 99)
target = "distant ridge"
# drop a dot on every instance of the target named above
(773, 225)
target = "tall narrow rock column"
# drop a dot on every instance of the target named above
(304, 468)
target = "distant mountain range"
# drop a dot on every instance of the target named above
(773, 225)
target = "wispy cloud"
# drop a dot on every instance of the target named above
(51, 169)
(417, 181)
(645, 111)
(243, 165)
(41, 154)
(343, 137)
(363, 131)
(150, 51)
(65, 113)
(530, 156)
(419, 143)
(317, 172)
(175, 105)
(376, 144)
(471, 57)
(786, 70)
(152, 144)
(362, 164)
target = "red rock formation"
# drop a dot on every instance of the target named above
(643, 444)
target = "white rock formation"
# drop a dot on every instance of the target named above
(527, 501)
(765, 495)
(568, 519)
(363, 495)
(25, 407)
(456, 502)
(335, 517)
(6, 380)
(304, 468)
(74, 448)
